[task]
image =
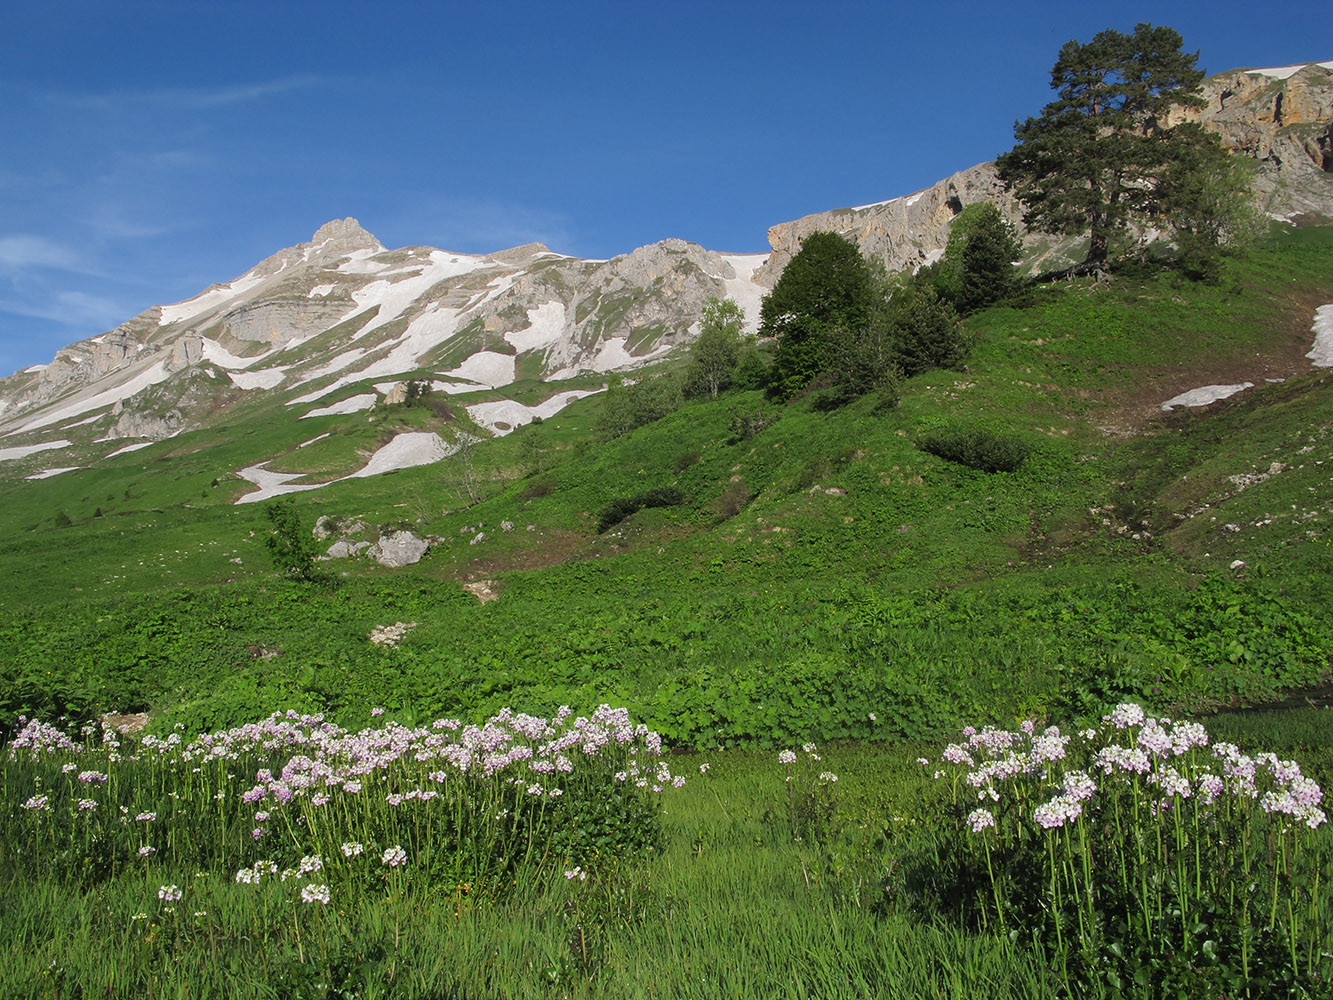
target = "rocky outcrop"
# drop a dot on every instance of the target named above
(279, 322)
(155, 426)
(905, 232)
(402, 548)
(1282, 119)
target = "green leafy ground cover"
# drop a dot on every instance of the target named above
(824, 578)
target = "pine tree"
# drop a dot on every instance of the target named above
(1092, 161)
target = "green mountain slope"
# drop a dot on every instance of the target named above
(823, 573)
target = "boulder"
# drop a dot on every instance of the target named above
(402, 548)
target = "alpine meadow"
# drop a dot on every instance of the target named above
(935, 606)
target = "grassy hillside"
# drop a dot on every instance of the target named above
(823, 576)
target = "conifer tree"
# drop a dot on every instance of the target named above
(1091, 162)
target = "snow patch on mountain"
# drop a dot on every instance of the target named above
(48, 473)
(486, 368)
(515, 414)
(1285, 72)
(150, 376)
(1321, 354)
(208, 300)
(395, 296)
(1206, 394)
(742, 289)
(547, 326)
(265, 379)
(129, 448)
(352, 404)
(404, 452)
(9, 454)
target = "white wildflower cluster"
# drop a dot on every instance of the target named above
(1174, 759)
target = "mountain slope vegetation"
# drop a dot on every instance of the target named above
(822, 573)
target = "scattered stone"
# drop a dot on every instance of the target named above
(482, 590)
(506, 525)
(478, 537)
(343, 549)
(1238, 564)
(1231, 528)
(391, 635)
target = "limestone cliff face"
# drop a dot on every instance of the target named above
(1280, 118)
(275, 322)
(905, 232)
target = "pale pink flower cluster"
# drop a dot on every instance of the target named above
(1056, 813)
(980, 819)
(1160, 753)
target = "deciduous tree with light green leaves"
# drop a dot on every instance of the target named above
(716, 352)
(1094, 160)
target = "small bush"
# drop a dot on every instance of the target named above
(733, 499)
(622, 507)
(746, 425)
(977, 448)
(823, 466)
(538, 488)
(684, 460)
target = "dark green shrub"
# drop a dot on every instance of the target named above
(746, 425)
(291, 546)
(684, 460)
(622, 507)
(976, 447)
(733, 499)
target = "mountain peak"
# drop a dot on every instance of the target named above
(345, 234)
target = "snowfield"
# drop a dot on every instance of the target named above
(8, 454)
(206, 301)
(547, 326)
(130, 447)
(267, 379)
(1206, 394)
(403, 452)
(514, 414)
(487, 368)
(1284, 72)
(352, 404)
(1321, 354)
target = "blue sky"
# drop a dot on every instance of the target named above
(154, 146)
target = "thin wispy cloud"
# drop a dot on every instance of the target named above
(191, 98)
(76, 310)
(24, 252)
